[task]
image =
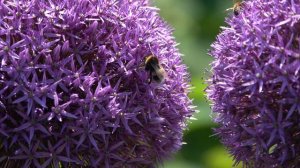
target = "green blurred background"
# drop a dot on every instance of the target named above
(196, 24)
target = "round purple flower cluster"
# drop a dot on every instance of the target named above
(255, 84)
(73, 90)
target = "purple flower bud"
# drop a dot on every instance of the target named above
(73, 90)
(255, 85)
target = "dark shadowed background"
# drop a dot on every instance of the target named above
(196, 24)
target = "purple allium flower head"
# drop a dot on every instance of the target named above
(73, 90)
(255, 85)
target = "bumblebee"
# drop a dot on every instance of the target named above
(236, 7)
(156, 71)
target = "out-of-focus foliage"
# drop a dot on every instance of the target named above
(196, 24)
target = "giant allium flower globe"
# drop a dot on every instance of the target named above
(255, 85)
(73, 89)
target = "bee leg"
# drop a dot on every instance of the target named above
(150, 78)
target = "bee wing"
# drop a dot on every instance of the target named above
(162, 75)
(155, 66)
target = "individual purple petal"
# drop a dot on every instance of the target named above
(93, 141)
(51, 116)
(23, 126)
(66, 114)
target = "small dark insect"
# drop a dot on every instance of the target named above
(157, 72)
(236, 7)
